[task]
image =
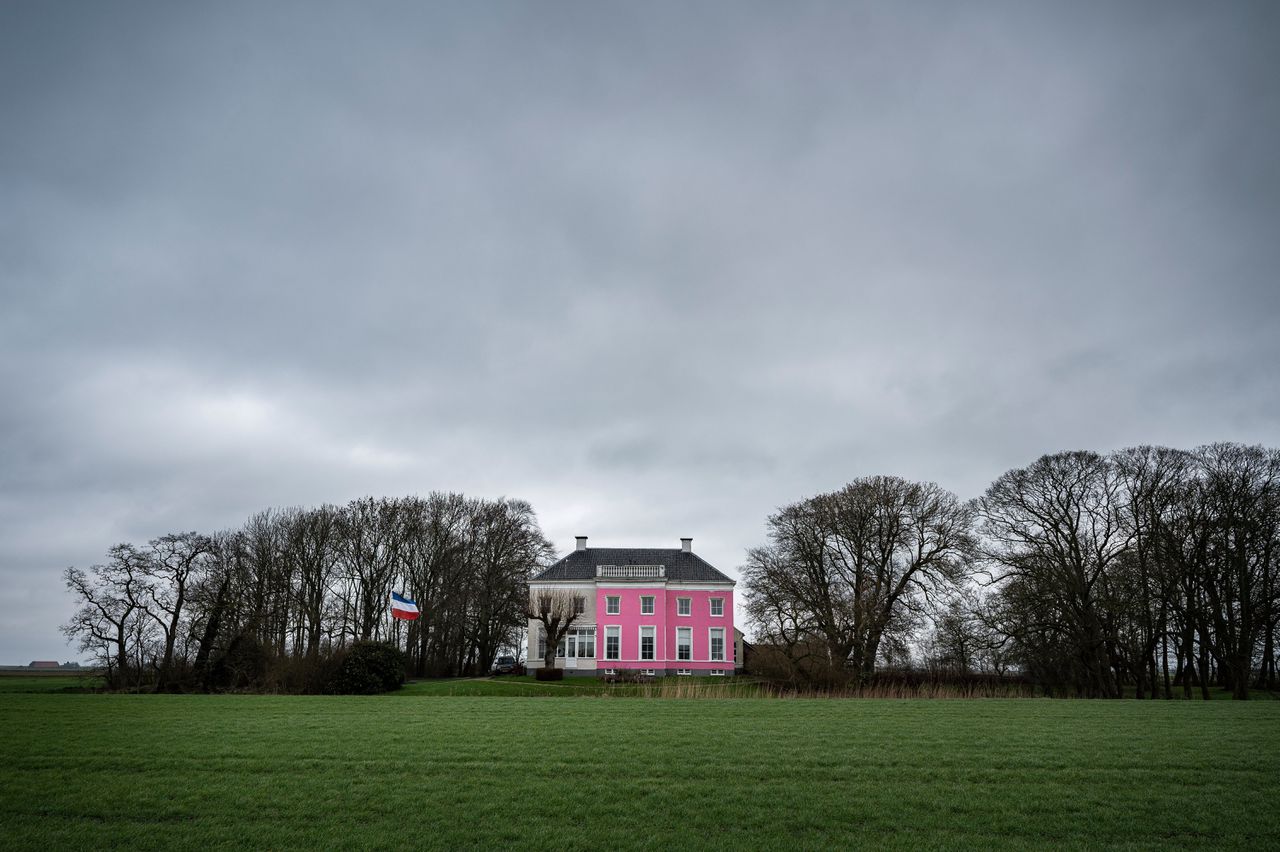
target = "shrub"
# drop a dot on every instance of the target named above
(368, 668)
(628, 676)
(242, 666)
(545, 673)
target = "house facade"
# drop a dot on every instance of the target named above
(659, 611)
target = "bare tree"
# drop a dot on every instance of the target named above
(1055, 536)
(555, 610)
(1155, 481)
(171, 562)
(853, 568)
(1242, 493)
(509, 545)
(105, 622)
(370, 544)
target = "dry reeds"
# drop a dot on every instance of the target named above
(705, 689)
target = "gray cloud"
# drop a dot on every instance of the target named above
(656, 268)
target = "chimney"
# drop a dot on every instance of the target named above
(686, 544)
(582, 542)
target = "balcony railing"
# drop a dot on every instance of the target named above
(631, 572)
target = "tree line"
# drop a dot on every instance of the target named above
(1147, 571)
(275, 603)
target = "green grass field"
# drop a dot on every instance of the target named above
(49, 683)
(93, 771)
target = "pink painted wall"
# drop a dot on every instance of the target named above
(665, 620)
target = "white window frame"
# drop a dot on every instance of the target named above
(711, 632)
(684, 672)
(579, 634)
(653, 634)
(685, 604)
(613, 604)
(688, 631)
(579, 604)
(649, 672)
(712, 607)
(650, 599)
(717, 672)
(617, 628)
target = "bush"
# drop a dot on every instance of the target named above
(242, 666)
(545, 673)
(368, 668)
(628, 676)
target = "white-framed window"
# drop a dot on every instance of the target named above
(578, 642)
(613, 643)
(717, 606)
(650, 672)
(646, 604)
(611, 671)
(684, 671)
(684, 643)
(717, 644)
(717, 672)
(684, 606)
(579, 605)
(647, 643)
(542, 644)
(581, 642)
(612, 605)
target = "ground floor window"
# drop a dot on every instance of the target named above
(684, 643)
(717, 644)
(582, 642)
(612, 643)
(578, 642)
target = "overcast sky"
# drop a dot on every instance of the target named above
(656, 268)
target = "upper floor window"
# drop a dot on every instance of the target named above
(684, 606)
(579, 605)
(646, 605)
(612, 605)
(717, 606)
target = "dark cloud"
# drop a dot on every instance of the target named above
(655, 268)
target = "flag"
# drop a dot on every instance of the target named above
(402, 607)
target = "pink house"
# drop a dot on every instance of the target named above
(657, 610)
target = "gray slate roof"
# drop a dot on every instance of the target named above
(681, 566)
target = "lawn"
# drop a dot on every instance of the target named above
(93, 771)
